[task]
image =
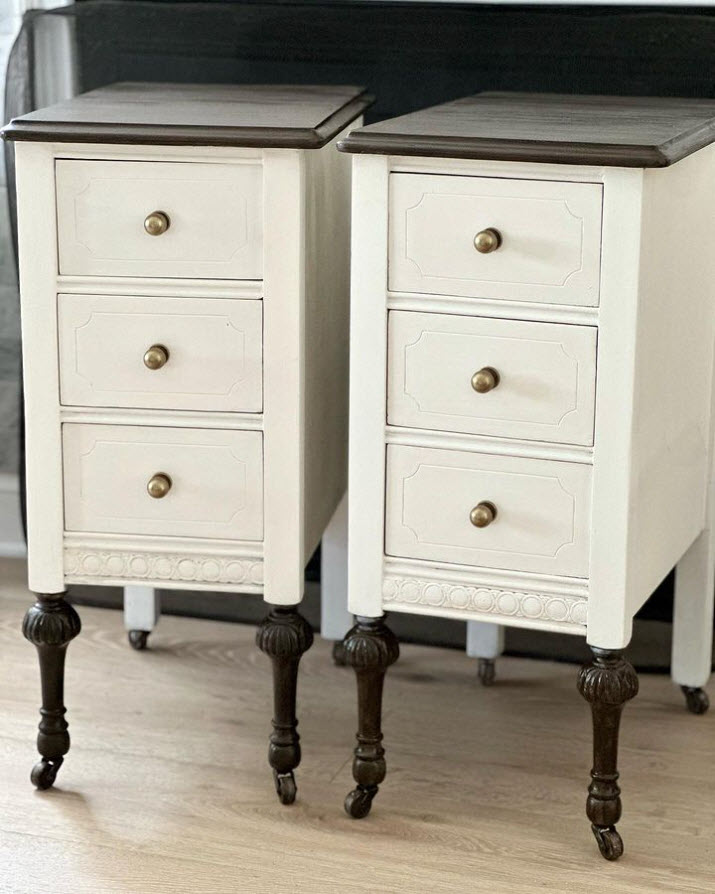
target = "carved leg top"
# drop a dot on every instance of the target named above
(609, 679)
(51, 621)
(371, 644)
(284, 633)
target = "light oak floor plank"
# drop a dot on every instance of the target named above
(167, 790)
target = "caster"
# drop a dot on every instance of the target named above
(138, 639)
(285, 787)
(487, 671)
(696, 699)
(359, 801)
(609, 842)
(44, 773)
(339, 654)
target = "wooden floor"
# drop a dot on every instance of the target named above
(166, 788)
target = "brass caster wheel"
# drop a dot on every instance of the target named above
(359, 801)
(44, 773)
(138, 639)
(487, 671)
(285, 787)
(339, 659)
(696, 699)
(609, 842)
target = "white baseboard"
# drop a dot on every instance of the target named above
(12, 541)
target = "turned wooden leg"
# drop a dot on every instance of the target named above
(50, 624)
(370, 648)
(284, 635)
(608, 682)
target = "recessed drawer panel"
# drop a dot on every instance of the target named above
(504, 378)
(168, 219)
(161, 353)
(539, 240)
(493, 511)
(164, 481)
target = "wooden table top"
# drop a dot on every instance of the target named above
(283, 116)
(601, 130)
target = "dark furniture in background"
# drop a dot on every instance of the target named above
(410, 55)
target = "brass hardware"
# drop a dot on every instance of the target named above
(483, 514)
(156, 223)
(157, 356)
(158, 485)
(487, 240)
(485, 379)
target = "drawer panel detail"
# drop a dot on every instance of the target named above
(130, 218)
(512, 513)
(481, 237)
(161, 353)
(503, 378)
(163, 481)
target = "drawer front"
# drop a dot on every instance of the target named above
(216, 481)
(550, 238)
(542, 510)
(214, 214)
(545, 381)
(212, 346)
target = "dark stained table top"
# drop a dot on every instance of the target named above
(300, 117)
(594, 130)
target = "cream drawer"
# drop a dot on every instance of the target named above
(542, 510)
(545, 375)
(213, 346)
(550, 238)
(214, 213)
(216, 481)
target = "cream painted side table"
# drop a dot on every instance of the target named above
(184, 278)
(531, 387)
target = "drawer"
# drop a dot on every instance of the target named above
(550, 238)
(214, 214)
(216, 481)
(542, 510)
(207, 352)
(545, 382)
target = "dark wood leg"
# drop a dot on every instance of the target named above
(608, 682)
(50, 624)
(370, 648)
(284, 635)
(339, 659)
(696, 699)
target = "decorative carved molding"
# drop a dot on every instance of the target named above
(122, 564)
(51, 621)
(506, 603)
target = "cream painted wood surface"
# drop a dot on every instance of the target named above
(141, 809)
(214, 212)
(542, 510)
(547, 376)
(214, 346)
(216, 481)
(550, 235)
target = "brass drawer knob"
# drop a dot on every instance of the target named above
(156, 223)
(483, 514)
(157, 356)
(487, 240)
(158, 485)
(485, 379)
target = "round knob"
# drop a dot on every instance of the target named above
(156, 356)
(483, 514)
(485, 379)
(156, 223)
(158, 485)
(487, 240)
